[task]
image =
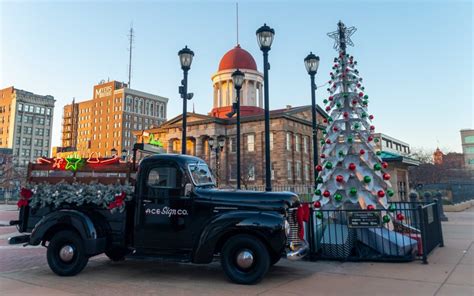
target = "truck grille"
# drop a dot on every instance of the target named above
(293, 237)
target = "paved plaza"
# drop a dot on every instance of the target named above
(24, 271)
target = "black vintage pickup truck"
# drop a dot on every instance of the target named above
(176, 213)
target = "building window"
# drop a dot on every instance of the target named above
(251, 172)
(271, 141)
(297, 143)
(288, 141)
(298, 170)
(306, 172)
(233, 172)
(20, 107)
(233, 144)
(289, 170)
(469, 139)
(272, 169)
(251, 143)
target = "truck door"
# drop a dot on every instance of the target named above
(165, 212)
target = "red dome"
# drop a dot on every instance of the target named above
(237, 58)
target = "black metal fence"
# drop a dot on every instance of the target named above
(407, 231)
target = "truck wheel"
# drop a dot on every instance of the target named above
(116, 254)
(245, 259)
(66, 254)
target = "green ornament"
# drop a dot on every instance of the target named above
(378, 153)
(349, 139)
(386, 218)
(367, 179)
(365, 102)
(322, 142)
(362, 88)
(319, 215)
(377, 167)
(341, 153)
(356, 125)
(325, 101)
(345, 95)
(317, 192)
(337, 71)
(353, 191)
(330, 119)
(338, 105)
(329, 165)
(338, 197)
(325, 132)
(366, 97)
(376, 140)
(364, 115)
(319, 180)
(392, 208)
(390, 192)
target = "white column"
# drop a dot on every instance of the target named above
(228, 94)
(215, 96)
(260, 95)
(219, 103)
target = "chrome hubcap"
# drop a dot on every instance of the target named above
(66, 253)
(245, 259)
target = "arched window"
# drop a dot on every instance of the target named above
(152, 108)
(128, 103)
(135, 105)
(162, 111)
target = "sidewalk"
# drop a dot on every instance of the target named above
(24, 271)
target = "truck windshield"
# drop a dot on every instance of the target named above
(201, 174)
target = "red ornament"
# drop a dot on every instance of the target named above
(339, 178)
(335, 128)
(331, 98)
(384, 164)
(323, 155)
(336, 65)
(370, 138)
(371, 117)
(358, 85)
(343, 75)
(346, 114)
(317, 204)
(330, 73)
(386, 176)
(326, 193)
(372, 127)
(328, 108)
(112, 205)
(319, 168)
(354, 102)
(352, 166)
(328, 141)
(381, 193)
(325, 120)
(370, 207)
(400, 217)
(362, 151)
(361, 94)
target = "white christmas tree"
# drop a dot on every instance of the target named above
(351, 172)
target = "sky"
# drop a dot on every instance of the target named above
(415, 56)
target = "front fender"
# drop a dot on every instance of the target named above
(267, 226)
(67, 219)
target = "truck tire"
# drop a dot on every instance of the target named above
(245, 259)
(66, 253)
(116, 254)
(274, 259)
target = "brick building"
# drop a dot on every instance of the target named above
(290, 138)
(107, 120)
(26, 121)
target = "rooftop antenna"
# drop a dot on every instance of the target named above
(130, 38)
(237, 20)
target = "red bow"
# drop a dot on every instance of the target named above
(302, 215)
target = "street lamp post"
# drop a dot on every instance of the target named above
(217, 149)
(186, 58)
(311, 63)
(238, 80)
(265, 36)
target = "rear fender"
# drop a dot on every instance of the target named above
(68, 219)
(269, 227)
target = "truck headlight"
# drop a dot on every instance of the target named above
(287, 228)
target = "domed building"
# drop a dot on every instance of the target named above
(290, 137)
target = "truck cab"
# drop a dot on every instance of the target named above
(176, 213)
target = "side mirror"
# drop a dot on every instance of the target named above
(188, 188)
